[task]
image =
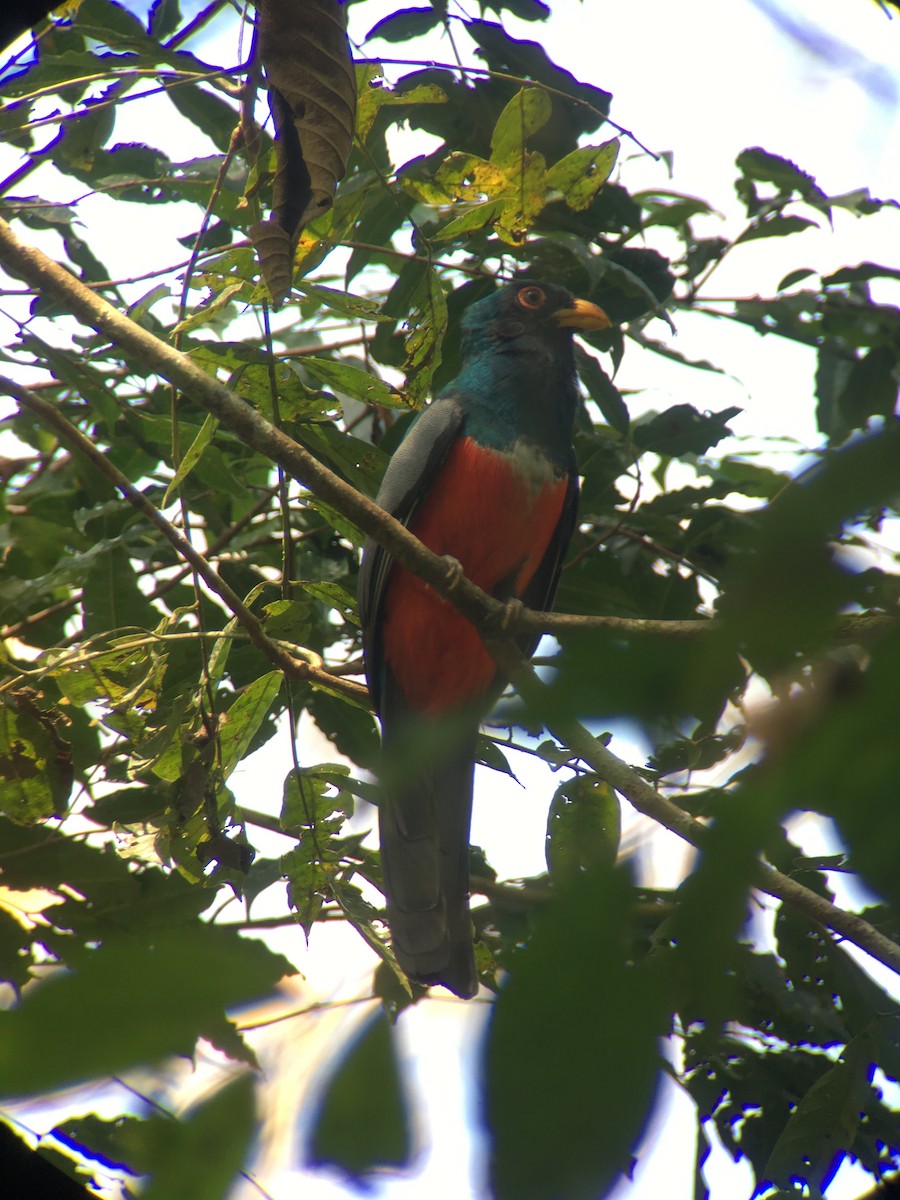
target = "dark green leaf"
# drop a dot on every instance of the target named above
(208, 1146)
(172, 988)
(683, 430)
(111, 597)
(603, 391)
(823, 1126)
(165, 17)
(759, 164)
(553, 1131)
(404, 24)
(36, 773)
(776, 226)
(361, 1124)
(245, 717)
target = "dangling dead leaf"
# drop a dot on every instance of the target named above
(304, 49)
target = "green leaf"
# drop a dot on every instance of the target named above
(349, 727)
(776, 226)
(423, 346)
(860, 274)
(603, 391)
(352, 381)
(793, 277)
(15, 951)
(206, 110)
(681, 429)
(112, 598)
(361, 1123)
(36, 774)
(792, 563)
(871, 388)
(714, 904)
(204, 315)
(823, 1126)
(164, 18)
(245, 717)
(583, 827)
(111, 1143)
(127, 675)
(207, 1147)
(374, 96)
(563, 1116)
(309, 803)
(525, 10)
(361, 307)
(288, 620)
(404, 24)
(172, 985)
(760, 165)
(581, 174)
(527, 112)
(334, 596)
(473, 218)
(192, 456)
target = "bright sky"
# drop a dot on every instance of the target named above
(813, 80)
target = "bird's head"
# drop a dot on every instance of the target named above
(527, 314)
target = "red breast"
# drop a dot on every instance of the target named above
(495, 514)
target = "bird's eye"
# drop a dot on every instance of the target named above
(531, 297)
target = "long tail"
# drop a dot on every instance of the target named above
(424, 823)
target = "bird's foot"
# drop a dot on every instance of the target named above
(510, 618)
(454, 572)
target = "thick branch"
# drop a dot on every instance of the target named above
(237, 416)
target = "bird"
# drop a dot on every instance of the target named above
(486, 475)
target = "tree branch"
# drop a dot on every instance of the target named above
(237, 416)
(646, 799)
(489, 616)
(50, 416)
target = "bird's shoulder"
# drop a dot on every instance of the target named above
(421, 452)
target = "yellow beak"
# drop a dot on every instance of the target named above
(582, 315)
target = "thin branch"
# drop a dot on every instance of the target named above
(50, 416)
(195, 25)
(523, 82)
(850, 627)
(647, 800)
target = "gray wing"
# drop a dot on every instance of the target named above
(407, 480)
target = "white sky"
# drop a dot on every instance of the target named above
(703, 80)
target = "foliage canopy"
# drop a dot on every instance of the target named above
(133, 682)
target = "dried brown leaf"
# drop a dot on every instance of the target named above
(304, 49)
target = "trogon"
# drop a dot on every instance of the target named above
(486, 475)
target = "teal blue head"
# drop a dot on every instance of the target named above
(518, 365)
(528, 318)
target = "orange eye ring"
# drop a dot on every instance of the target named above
(531, 298)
